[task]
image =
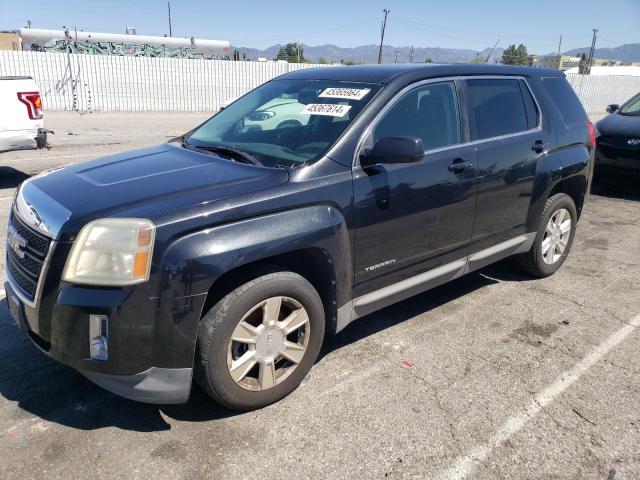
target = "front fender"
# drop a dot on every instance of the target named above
(191, 264)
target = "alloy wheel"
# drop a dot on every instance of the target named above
(268, 343)
(556, 236)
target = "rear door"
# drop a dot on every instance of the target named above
(510, 136)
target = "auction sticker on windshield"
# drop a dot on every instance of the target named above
(348, 93)
(329, 109)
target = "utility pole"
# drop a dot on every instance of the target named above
(486, 60)
(559, 57)
(593, 47)
(411, 55)
(169, 9)
(384, 26)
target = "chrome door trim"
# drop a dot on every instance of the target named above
(385, 296)
(365, 134)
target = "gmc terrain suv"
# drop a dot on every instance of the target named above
(226, 254)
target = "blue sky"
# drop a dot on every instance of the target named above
(427, 23)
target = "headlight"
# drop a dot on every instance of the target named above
(111, 251)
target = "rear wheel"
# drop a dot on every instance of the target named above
(257, 344)
(553, 239)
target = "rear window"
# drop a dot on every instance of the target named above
(565, 100)
(497, 108)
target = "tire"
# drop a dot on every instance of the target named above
(217, 355)
(541, 261)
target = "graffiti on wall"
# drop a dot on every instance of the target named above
(129, 49)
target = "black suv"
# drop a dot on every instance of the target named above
(317, 198)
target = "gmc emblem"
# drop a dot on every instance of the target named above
(16, 242)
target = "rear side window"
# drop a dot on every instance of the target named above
(565, 100)
(533, 116)
(496, 108)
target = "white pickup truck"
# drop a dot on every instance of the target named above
(21, 123)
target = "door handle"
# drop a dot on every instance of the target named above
(539, 146)
(459, 165)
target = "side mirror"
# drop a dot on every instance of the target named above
(394, 150)
(613, 108)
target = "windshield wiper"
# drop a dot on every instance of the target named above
(233, 153)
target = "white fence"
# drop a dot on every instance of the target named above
(102, 82)
(598, 91)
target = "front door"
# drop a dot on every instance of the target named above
(414, 217)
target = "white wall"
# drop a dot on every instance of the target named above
(96, 82)
(598, 91)
(101, 82)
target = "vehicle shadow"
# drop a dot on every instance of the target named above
(11, 178)
(617, 187)
(59, 394)
(401, 311)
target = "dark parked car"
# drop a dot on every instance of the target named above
(618, 144)
(228, 253)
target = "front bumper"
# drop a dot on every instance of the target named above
(155, 385)
(615, 160)
(136, 368)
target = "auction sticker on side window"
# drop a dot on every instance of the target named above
(348, 93)
(329, 109)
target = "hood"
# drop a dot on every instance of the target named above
(149, 182)
(618, 125)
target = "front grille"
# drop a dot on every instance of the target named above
(617, 147)
(26, 270)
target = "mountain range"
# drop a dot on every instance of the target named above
(369, 53)
(629, 52)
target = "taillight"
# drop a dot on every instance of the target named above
(592, 133)
(33, 102)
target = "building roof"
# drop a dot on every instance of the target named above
(387, 72)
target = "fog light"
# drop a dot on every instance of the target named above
(98, 337)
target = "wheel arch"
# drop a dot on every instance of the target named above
(314, 264)
(575, 187)
(312, 241)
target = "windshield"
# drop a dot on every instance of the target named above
(285, 123)
(632, 107)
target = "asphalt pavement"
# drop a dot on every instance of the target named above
(495, 375)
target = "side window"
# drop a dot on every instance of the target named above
(533, 116)
(429, 112)
(565, 100)
(496, 107)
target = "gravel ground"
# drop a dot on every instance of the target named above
(494, 375)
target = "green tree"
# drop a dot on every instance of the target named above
(323, 61)
(478, 59)
(292, 53)
(515, 55)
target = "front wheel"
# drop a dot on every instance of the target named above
(258, 343)
(553, 239)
